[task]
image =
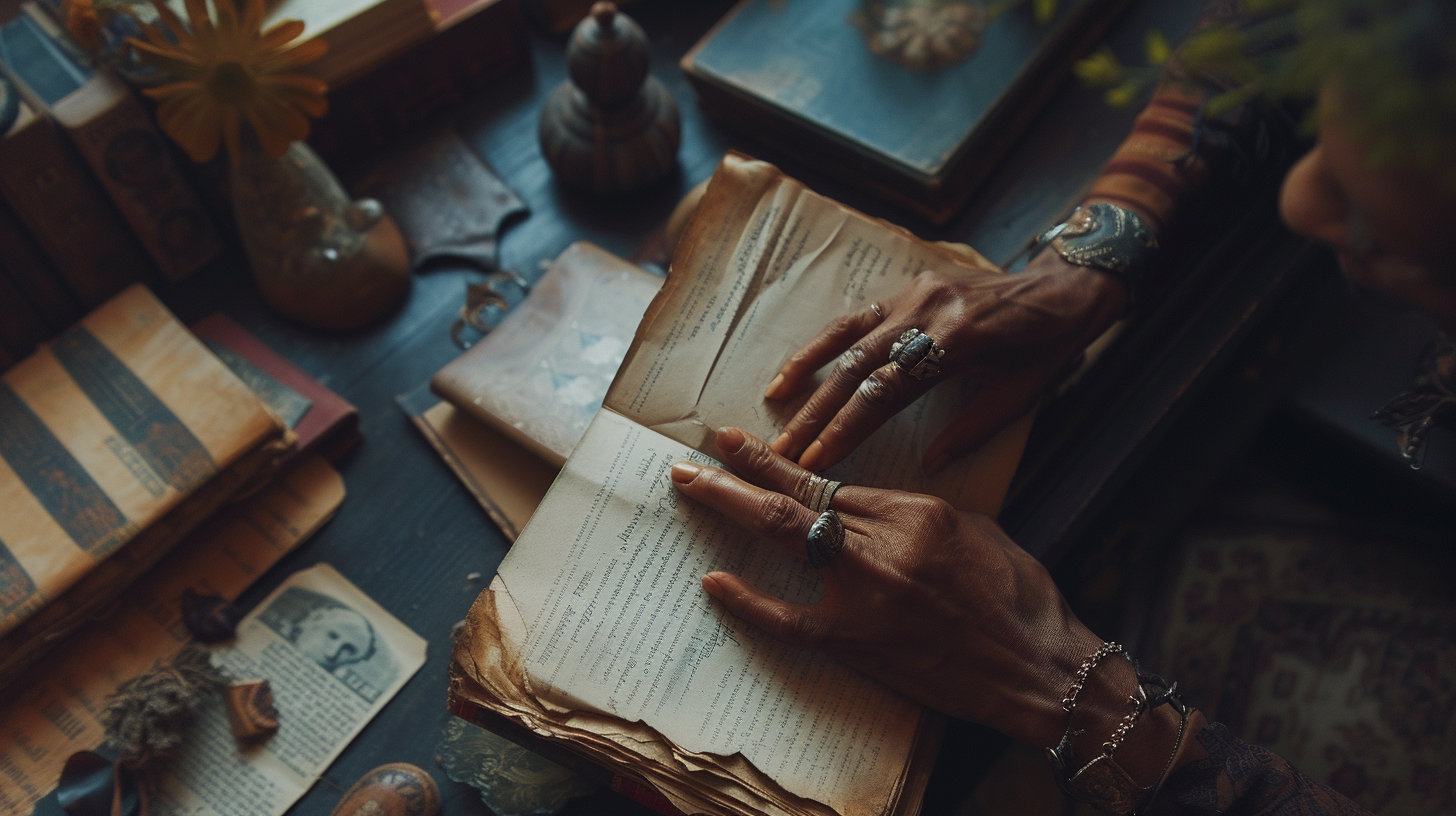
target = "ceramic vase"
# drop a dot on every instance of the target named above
(318, 257)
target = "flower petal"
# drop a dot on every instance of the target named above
(253, 15)
(281, 34)
(295, 57)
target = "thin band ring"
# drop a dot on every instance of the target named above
(821, 493)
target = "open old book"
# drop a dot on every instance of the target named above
(596, 634)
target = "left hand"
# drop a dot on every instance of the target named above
(1017, 333)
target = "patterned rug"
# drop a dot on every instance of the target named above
(1333, 648)
(1328, 640)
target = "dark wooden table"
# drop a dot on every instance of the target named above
(410, 536)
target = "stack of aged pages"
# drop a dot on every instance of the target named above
(596, 637)
(116, 439)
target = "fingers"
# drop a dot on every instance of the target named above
(798, 372)
(761, 465)
(796, 624)
(766, 513)
(993, 408)
(824, 405)
(881, 395)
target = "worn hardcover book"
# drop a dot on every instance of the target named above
(805, 78)
(59, 201)
(596, 636)
(507, 480)
(116, 439)
(117, 138)
(362, 34)
(20, 325)
(473, 45)
(541, 375)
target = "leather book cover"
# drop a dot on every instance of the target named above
(58, 200)
(475, 44)
(805, 78)
(541, 375)
(26, 264)
(118, 139)
(20, 325)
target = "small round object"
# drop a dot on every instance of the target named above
(917, 354)
(825, 539)
(396, 789)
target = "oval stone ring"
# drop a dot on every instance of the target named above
(916, 354)
(825, 539)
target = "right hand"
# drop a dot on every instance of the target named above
(1017, 333)
(938, 604)
(935, 603)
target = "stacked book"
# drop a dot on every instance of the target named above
(91, 197)
(94, 198)
(118, 438)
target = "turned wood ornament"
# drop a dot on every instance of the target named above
(611, 127)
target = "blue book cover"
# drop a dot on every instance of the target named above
(903, 94)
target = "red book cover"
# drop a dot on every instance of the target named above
(325, 422)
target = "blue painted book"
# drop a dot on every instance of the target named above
(914, 101)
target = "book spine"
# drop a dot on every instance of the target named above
(20, 326)
(131, 158)
(446, 69)
(68, 214)
(33, 275)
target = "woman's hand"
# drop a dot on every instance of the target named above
(935, 603)
(1017, 333)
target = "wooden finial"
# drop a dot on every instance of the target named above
(604, 12)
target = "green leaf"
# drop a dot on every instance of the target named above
(1044, 10)
(1124, 94)
(1100, 69)
(1157, 48)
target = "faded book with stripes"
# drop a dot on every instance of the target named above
(116, 439)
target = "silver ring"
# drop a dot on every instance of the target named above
(825, 539)
(875, 307)
(821, 493)
(916, 354)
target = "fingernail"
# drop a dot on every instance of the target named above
(711, 585)
(812, 455)
(772, 392)
(684, 472)
(730, 440)
(781, 444)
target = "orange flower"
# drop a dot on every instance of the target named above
(84, 23)
(229, 71)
